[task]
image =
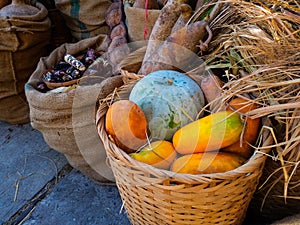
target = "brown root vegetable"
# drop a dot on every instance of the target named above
(117, 51)
(114, 14)
(152, 4)
(119, 30)
(116, 42)
(186, 13)
(211, 86)
(179, 48)
(162, 27)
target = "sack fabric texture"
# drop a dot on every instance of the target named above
(67, 120)
(85, 18)
(23, 40)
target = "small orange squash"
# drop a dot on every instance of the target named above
(207, 163)
(159, 154)
(251, 129)
(126, 123)
(208, 133)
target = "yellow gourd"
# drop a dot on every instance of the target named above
(159, 154)
(207, 163)
(209, 133)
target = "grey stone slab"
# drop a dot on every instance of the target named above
(27, 164)
(77, 200)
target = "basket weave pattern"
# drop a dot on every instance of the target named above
(153, 196)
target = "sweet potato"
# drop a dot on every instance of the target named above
(114, 14)
(211, 86)
(179, 48)
(117, 51)
(116, 42)
(162, 27)
(186, 13)
(119, 30)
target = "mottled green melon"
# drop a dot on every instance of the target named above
(169, 100)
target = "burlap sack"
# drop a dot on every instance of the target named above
(136, 29)
(67, 120)
(23, 40)
(85, 18)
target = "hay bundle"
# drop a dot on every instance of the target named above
(256, 52)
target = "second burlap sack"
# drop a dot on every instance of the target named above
(24, 36)
(67, 120)
(84, 18)
(136, 30)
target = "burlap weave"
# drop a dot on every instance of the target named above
(23, 40)
(67, 120)
(85, 18)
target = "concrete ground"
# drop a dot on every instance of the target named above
(38, 186)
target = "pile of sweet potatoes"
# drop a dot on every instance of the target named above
(174, 41)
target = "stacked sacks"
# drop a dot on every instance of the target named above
(24, 36)
(84, 18)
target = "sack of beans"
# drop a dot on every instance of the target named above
(65, 114)
(24, 36)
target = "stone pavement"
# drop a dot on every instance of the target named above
(38, 186)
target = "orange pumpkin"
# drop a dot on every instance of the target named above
(249, 135)
(126, 123)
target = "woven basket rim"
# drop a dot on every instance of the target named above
(256, 160)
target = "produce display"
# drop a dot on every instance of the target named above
(244, 58)
(180, 111)
(210, 90)
(161, 125)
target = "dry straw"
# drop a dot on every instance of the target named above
(260, 58)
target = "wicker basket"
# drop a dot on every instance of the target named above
(153, 196)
